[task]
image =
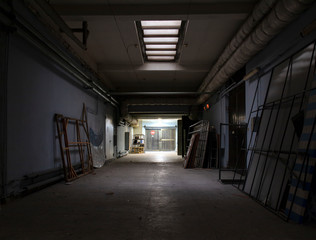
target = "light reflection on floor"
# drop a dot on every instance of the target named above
(154, 156)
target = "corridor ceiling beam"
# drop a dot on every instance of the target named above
(149, 66)
(158, 93)
(154, 9)
(166, 109)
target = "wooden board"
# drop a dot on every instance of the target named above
(190, 156)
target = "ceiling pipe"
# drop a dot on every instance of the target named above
(284, 12)
(50, 11)
(50, 49)
(259, 11)
(281, 15)
(235, 85)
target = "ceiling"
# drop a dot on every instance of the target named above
(113, 47)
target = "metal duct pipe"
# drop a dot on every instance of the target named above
(259, 11)
(284, 12)
(130, 119)
(127, 117)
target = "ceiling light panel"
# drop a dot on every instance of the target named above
(160, 53)
(160, 58)
(161, 24)
(159, 40)
(161, 32)
(161, 46)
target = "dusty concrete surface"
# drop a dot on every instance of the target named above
(153, 157)
(134, 199)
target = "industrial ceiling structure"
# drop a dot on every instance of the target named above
(214, 40)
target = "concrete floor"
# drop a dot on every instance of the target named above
(144, 197)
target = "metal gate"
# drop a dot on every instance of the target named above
(160, 139)
(272, 148)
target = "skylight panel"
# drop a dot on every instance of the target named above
(160, 53)
(161, 24)
(161, 39)
(161, 32)
(161, 46)
(161, 58)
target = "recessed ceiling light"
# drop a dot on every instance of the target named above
(161, 32)
(160, 46)
(158, 40)
(161, 58)
(161, 39)
(161, 24)
(159, 53)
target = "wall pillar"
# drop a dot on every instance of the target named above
(4, 43)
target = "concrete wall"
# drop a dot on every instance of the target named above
(37, 89)
(217, 114)
(4, 43)
(139, 129)
(121, 139)
(121, 130)
(110, 149)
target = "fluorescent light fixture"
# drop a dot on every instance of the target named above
(161, 24)
(161, 39)
(160, 58)
(161, 46)
(159, 53)
(161, 32)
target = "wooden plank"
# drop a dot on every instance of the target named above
(190, 156)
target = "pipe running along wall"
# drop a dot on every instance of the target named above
(245, 45)
(20, 20)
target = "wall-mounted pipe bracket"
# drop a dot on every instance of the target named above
(84, 30)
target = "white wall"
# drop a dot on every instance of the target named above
(121, 138)
(109, 138)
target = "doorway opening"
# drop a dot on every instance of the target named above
(237, 129)
(161, 139)
(159, 134)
